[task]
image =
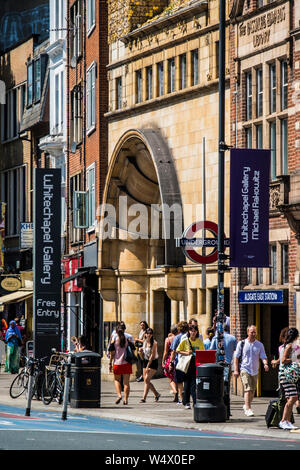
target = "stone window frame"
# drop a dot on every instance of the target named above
(267, 119)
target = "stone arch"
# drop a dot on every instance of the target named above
(142, 169)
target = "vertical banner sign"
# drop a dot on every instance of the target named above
(249, 207)
(47, 259)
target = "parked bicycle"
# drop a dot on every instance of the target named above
(20, 382)
(53, 383)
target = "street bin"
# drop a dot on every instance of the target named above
(85, 380)
(209, 406)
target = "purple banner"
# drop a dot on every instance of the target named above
(249, 207)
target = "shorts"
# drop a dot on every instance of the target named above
(153, 365)
(179, 376)
(122, 369)
(249, 381)
(289, 389)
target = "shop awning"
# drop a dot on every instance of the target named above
(80, 272)
(16, 296)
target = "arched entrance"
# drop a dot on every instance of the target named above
(141, 216)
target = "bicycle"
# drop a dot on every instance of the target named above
(20, 382)
(53, 384)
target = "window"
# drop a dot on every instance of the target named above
(260, 273)
(272, 88)
(29, 84)
(273, 149)
(259, 136)
(91, 97)
(76, 29)
(160, 78)
(76, 114)
(90, 189)
(9, 113)
(13, 193)
(195, 67)
(182, 68)
(284, 146)
(248, 132)
(139, 86)
(37, 80)
(285, 263)
(171, 73)
(248, 96)
(273, 262)
(284, 85)
(90, 14)
(259, 93)
(119, 93)
(249, 276)
(79, 208)
(57, 102)
(149, 81)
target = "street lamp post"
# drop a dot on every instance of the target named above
(222, 148)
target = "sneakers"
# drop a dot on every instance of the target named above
(179, 402)
(187, 406)
(248, 411)
(286, 425)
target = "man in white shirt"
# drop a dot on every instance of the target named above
(250, 350)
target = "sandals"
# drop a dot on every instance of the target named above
(157, 397)
(125, 402)
(143, 400)
(118, 400)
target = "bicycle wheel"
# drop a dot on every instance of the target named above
(49, 388)
(19, 384)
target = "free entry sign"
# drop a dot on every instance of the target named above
(47, 255)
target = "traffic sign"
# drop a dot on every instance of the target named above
(188, 242)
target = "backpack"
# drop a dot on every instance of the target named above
(275, 411)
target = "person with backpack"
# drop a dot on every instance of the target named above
(287, 381)
(249, 351)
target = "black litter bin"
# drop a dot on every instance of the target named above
(85, 380)
(209, 406)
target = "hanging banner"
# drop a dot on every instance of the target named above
(249, 207)
(47, 261)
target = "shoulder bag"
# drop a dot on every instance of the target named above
(129, 354)
(184, 361)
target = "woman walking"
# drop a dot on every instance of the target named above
(150, 364)
(139, 344)
(166, 360)
(187, 347)
(289, 388)
(119, 366)
(13, 340)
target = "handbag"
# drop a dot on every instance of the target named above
(291, 372)
(184, 361)
(129, 355)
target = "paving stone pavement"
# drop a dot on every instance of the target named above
(163, 413)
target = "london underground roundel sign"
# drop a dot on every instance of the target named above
(189, 242)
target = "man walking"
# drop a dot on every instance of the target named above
(250, 351)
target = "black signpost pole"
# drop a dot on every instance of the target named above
(222, 147)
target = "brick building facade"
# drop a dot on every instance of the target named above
(86, 161)
(263, 49)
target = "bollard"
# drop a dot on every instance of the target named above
(30, 387)
(66, 389)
